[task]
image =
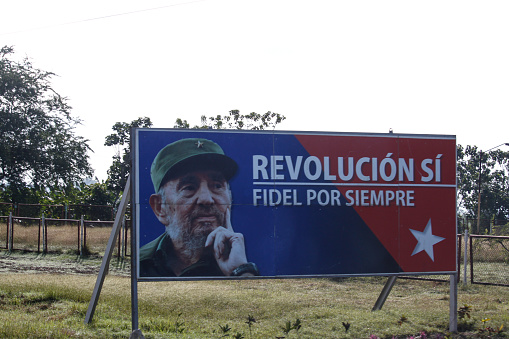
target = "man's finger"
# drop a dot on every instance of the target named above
(219, 244)
(211, 237)
(227, 218)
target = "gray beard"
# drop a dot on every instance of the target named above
(193, 243)
(181, 232)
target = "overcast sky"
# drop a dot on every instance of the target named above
(432, 67)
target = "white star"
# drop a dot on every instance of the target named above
(426, 240)
(199, 144)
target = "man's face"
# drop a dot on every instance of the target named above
(196, 204)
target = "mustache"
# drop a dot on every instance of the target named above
(201, 211)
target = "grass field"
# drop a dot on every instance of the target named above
(54, 306)
(42, 305)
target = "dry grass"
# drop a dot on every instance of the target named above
(61, 238)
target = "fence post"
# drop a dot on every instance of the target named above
(465, 260)
(39, 238)
(121, 248)
(44, 235)
(471, 260)
(119, 240)
(9, 232)
(127, 229)
(82, 231)
(84, 235)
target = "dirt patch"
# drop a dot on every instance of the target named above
(59, 264)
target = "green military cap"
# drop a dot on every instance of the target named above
(187, 155)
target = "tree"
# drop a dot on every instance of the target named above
(39, 149)
(235, 120)
(494, 183)
(121, 166)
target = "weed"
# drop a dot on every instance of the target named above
(224, 331)
(464, 312)
(488, 331)
(250, 321)
(464, 323)
(179, 325)
(402, 320)
(346, 326)
(287, 327)
(297, 325)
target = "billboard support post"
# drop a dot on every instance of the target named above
(107, 255)
(453, 303)
(385, 293)
(134, 264)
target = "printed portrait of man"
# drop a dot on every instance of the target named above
(193, 201)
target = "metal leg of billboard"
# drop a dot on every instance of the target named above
(385, 293)
(107, 254)
(453, 303)
(453, 299)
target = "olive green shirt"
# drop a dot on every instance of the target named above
(154, 261)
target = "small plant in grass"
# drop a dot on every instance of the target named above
(238, 335)
(287, 327)
(464, 312)
(224, 331)
(489, 331)
(179, 325)
(464, 323)
(346, 325)
(402, 320)
(297, 326)
(250, 321)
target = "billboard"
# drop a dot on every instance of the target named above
(225, 203)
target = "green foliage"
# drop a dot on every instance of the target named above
(235, 120)
(464, 312)
(494, 168)
(39, 150)
(81, 196)
(121, 166)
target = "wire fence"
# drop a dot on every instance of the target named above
(489, 260)
(67, 211)
(73, 236)
(482, 259)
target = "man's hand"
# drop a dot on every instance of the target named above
(228, 246)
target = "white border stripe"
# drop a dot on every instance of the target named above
(267, 183)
